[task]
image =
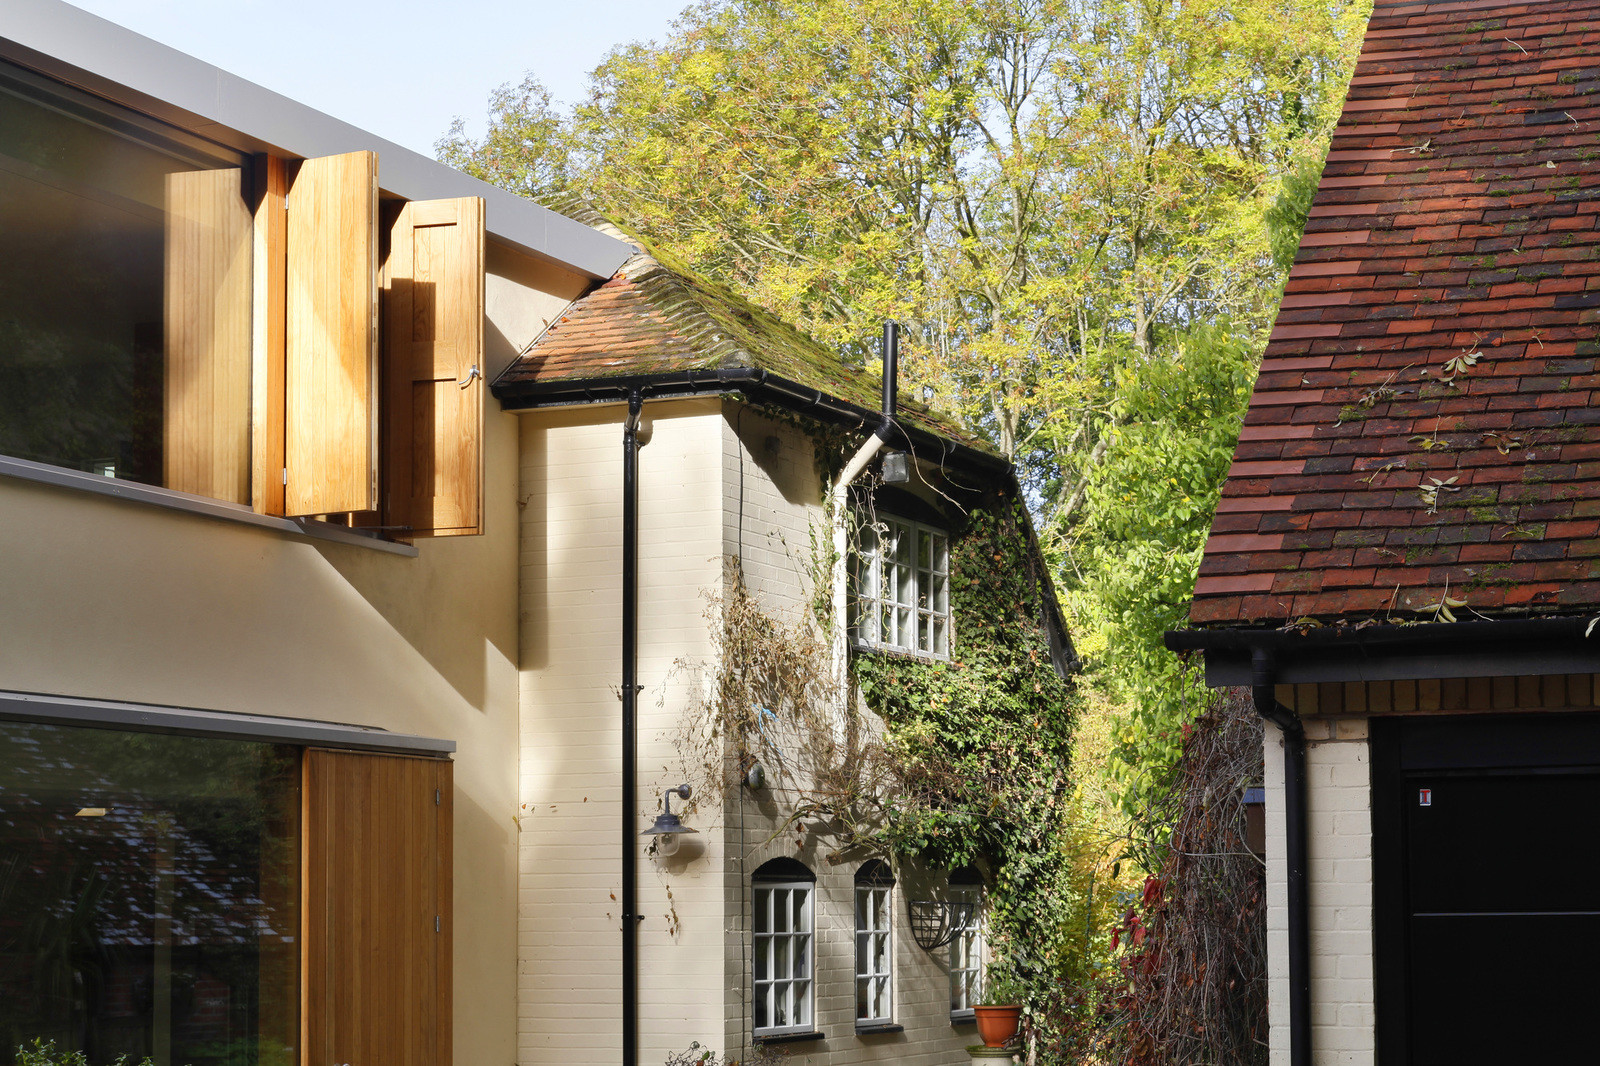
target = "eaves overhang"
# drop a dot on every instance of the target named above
(114, 63)
(761, 386)
(757, 385)
(1488, 648)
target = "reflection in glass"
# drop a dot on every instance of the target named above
(125, 287)
(148, 898)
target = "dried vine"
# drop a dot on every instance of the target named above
(1189, 988)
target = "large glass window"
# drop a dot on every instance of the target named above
(148, 896)
(874, 945)
(966, 942)
(125, 291)
(782, 946)
(902, 588)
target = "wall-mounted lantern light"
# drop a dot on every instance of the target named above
(668, 830)
(896, 468)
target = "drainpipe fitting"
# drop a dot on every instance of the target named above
(838, 509)
(1263, 670)
(630, 747)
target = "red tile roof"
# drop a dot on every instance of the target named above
(653, 318)
(1439, 331)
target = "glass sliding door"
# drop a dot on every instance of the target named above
(148, 896)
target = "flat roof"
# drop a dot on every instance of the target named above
(112, 62)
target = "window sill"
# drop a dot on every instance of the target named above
(901, 653)
(964, 1017)
(135, 492)
(877, 1028)
(786, 1038)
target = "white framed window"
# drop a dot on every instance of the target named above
(902, 588)
(782, 992)
(966, 944)
(874, 945)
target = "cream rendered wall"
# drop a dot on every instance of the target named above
(1339, 820)
(569, 984)
(121, 600)
(771, 509)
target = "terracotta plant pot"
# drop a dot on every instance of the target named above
(997, 1026)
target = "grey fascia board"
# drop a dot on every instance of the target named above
(134, 492)
(1226, 670)
(112, 62)
(190, 721)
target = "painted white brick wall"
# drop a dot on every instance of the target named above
(569, 940)
(770, 478)
(716, 480)
(1339, 820)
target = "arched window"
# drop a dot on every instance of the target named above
(874, 944)
(782, 897)
(966, 942)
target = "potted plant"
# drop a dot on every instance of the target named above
(1000, 1013)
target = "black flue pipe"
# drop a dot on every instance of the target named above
(891, 378)
(1295, 852)
(630, 727)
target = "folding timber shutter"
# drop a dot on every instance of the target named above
(376, 972)
(331, 336)
(206, 417)
(433, 359)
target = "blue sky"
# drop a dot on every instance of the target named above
(401, 68)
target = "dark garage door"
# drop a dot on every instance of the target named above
(1486, 834)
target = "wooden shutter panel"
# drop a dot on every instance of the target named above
(331, 336)
(433, 366)
(206, 417)
(377, 890)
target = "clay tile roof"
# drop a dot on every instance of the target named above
(1455, 221)
(655, 317)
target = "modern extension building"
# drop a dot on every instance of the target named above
(336, 685)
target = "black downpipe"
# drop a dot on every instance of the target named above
(630, 697)
(891, 379)
(1295, 851)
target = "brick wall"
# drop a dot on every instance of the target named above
(716, 481)
(1340, 823)
(569, 944)
(769, 476)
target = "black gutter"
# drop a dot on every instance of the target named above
(630, 697)
(759, 386)
(1452, 635)
(1295, 853)
(1494, 647)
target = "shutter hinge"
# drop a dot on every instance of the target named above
(438, 797)
(436, 928)
(285, 475)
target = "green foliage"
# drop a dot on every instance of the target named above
(1151, 503)
(44, 1053)
(527, 148)
(983, 745)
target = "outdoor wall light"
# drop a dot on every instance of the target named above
(668, 830)
(896, 468)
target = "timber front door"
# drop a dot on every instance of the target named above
(1486, 888)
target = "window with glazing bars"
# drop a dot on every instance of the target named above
(902, 588)
(782, 993)
(966, 949)
(874, 948)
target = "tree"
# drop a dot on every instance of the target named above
(1066, 202)
(527, 148)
